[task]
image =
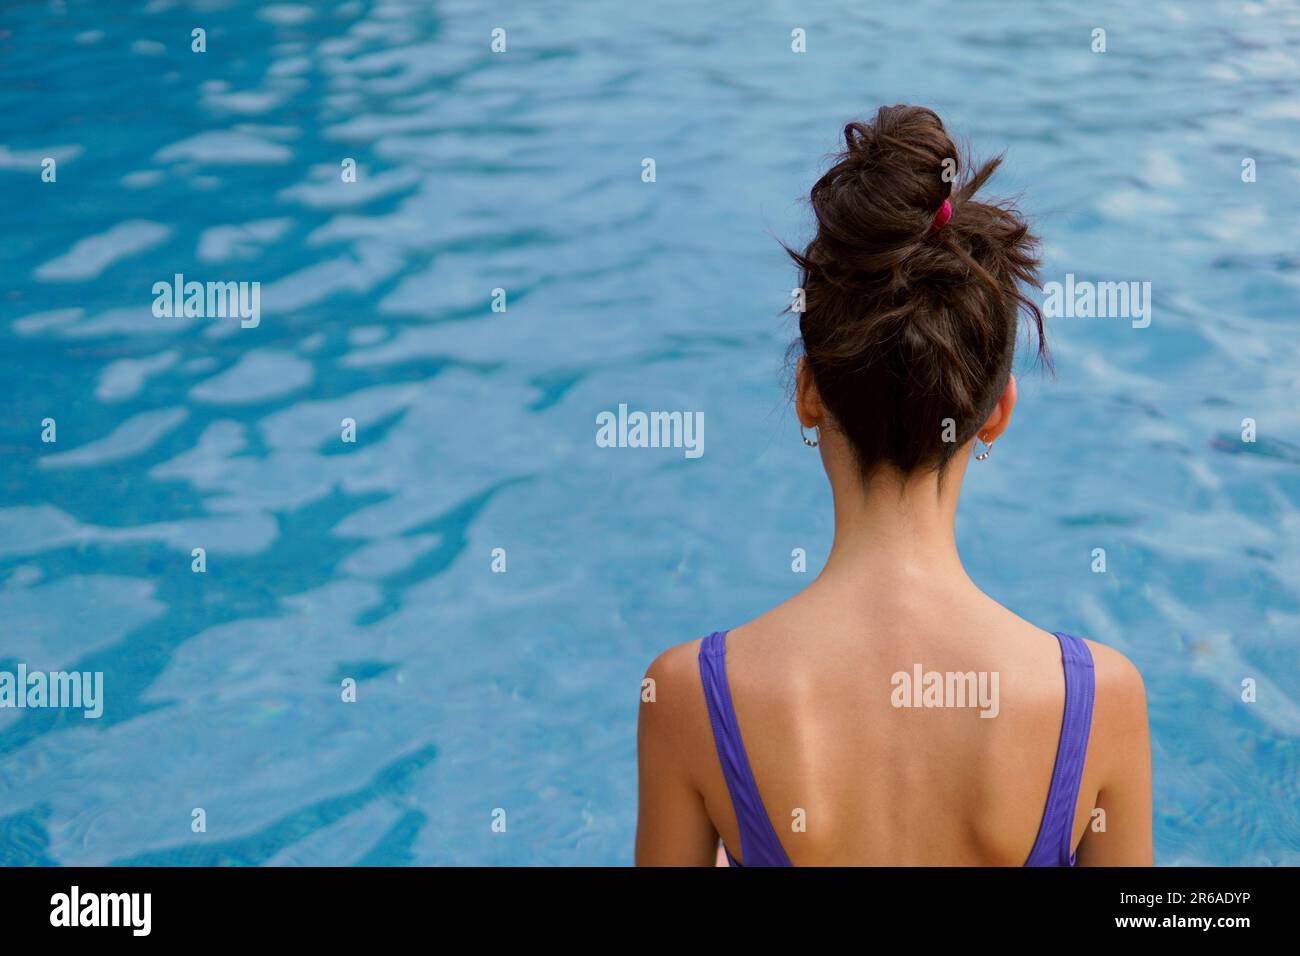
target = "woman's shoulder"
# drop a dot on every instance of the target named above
(673, 679)
(671, 696)
(677, 664)
(1119, 694)
(1112, 665)
(1115, 677)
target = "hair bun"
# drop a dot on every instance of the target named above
(900, 160)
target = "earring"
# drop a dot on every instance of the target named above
(811, 443)
(988, 450)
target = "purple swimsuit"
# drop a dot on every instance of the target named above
(759, 844)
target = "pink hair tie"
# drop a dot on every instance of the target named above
(941, 217)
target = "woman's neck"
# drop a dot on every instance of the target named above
(893, 529)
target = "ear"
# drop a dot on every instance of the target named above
(1000, 417)
(807, 402)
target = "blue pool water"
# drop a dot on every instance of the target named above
(475, 429)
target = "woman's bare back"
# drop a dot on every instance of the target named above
(848, 777)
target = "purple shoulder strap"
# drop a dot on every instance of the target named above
(759, 845)
(1055, 832)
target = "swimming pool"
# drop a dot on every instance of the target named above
(478, 691)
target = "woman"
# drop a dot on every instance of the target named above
(892, 713)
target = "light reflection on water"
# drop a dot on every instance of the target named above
(475, 429)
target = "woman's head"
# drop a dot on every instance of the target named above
(909, 327)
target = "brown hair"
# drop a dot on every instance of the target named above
(906, 326)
